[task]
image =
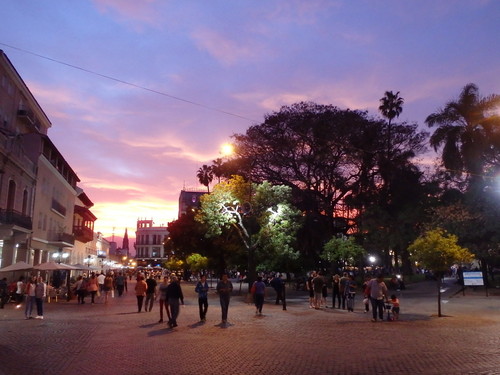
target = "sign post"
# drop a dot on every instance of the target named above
(474, 278)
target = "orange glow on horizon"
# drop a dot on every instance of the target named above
(113, 218)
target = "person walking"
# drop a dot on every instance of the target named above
(174, 295)
(310, 288)
(150, 292)
(92, 287)
(202, 290)
(100, 281)
(30, 297)
(162, 292)
(109, 286)
(318, 283)
(343, 281)
(81, 289)
(336, 291)
(366, 300)
(40, 294)
(278, 286)
(350, 292)
(140, 292)
(377, 292)
(259, 288)
(20, 286)
(120, 282)
(224, 289)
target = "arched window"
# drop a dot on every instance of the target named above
(11, 195)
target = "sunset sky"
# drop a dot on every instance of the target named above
(142, 93)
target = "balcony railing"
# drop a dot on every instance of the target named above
(83, 233)
(61, 239)
(11, 217)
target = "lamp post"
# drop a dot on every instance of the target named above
(88, 260)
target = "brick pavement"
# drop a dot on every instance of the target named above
(115, 339)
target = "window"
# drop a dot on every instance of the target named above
(11, 195)
(25, 203)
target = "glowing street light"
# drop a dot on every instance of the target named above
(227, 149)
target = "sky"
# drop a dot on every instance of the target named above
(143, 93)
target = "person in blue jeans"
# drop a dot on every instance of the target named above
(202, 290)
(30, 297)
(377, 292)
(40, 294)
(224, 289)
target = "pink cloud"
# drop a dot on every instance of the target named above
(143, 11)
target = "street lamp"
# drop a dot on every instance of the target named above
(227, 149)
(372, 261)
(60, 255)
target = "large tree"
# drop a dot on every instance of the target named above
(468, 133)
(312, 149)
(468, 130)
(329, 157)
(261, 214)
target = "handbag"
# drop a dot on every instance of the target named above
(252, 290)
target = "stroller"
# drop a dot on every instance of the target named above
(388, 307)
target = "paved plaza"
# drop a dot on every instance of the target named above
(114, 339)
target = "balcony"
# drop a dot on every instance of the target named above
(60, 239)
(83, 234)
(14, 218)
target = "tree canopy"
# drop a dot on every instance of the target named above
(344, 250)
(438, 250)
(261, 214)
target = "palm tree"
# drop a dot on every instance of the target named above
(468, 131)
(391, 105)
(205, 175)
(218, 168)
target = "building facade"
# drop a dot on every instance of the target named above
(20, 116)
(149, 242)
(189, 200)
(43, 213)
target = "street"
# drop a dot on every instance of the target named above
(115, 339)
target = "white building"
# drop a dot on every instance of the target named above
(149, 242)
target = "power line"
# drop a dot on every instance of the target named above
(131, 84)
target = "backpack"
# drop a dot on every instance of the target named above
(83, 285)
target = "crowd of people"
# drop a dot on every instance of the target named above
(165, 288)
(32, 291)
(344, 288)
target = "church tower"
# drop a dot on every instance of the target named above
(125, 248)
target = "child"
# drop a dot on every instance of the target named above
(395, 307)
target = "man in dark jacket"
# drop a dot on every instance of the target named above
(174, 295)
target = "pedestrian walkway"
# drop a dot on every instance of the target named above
(114, 339)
